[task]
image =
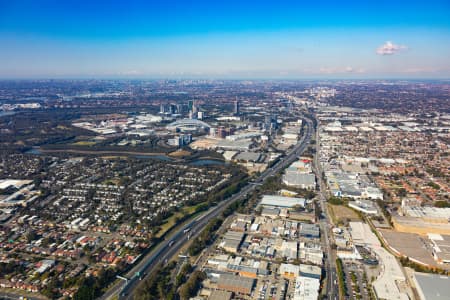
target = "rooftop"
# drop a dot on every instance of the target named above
(432, 286)
(280, 201)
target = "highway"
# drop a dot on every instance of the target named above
(172, 245)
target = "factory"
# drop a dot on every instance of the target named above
(281, 201)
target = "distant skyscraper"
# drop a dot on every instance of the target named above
(164, 108)
(180, 109)
(270, 122)
(173, 108)
(191, 105)
(236, 107)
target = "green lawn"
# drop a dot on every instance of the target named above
(170, 222)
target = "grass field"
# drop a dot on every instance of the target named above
(84, 143)
(340, 213)
(171, 221)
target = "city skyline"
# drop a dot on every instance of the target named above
(261, 39)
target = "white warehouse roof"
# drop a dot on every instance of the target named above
(280, 201)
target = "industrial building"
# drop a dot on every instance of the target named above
(432, 286)
(306, 288)
(236, 284)
(299, 174)
(428, 214)
(220, 295)
(299, 180)
(441, 247)
(364, 206)
(309, 230)
(280, 201)
(231, 241)
(242, 145)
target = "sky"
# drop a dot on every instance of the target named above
(224, 39)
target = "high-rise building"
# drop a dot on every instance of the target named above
(173, 108)
(180, 108)
(270, 122)
(191, 105)
(237, 107)
(164, 108)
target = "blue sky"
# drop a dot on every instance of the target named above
(225, 39)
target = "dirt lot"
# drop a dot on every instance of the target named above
(341, 213)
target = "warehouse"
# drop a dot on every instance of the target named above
(306, 288)
(299, 180)
(309, 230)
(236, 284)
(432, 286)
(280, 201)
(441, 247)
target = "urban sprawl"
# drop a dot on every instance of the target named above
(209, 189)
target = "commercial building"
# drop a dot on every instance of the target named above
(241, 145)
(422, 220)
(231, 241)
(249, 157)
(220, 295)
(310, 271)
(280, 201)
(237, 107)
(181, 140)
(299, 174)
(247, 267)
(289, 271)
(426, 213)
(306, 288)
(364, 206)
(188, 125)
(441, 248)
(236, 284)
(309, 230)
(432, 286)
(352, 185)
(299, 180)
(387, 284)
(243, 136)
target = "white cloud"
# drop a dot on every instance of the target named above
(390, 48)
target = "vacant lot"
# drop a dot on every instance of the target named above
(341, 213)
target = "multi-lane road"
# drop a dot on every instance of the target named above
(330, 262)
(172, 245)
